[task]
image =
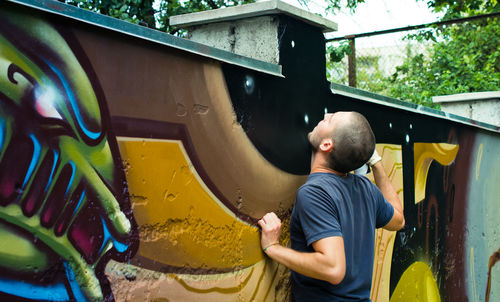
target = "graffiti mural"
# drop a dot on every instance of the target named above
(132, 169)
(63, 209)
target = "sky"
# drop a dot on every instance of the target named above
(374, 15)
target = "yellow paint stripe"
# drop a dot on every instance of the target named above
(193, 171)
(478, 160)
(472, 273)
(424, 154)
(416, 284)
(262, 274)
(275, 274)
(181, 222)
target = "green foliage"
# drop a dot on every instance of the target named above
(155, 14)
(336, 5)
(170, 8)
(459, 58)
(337, 53)
(371, 76)
(466, 59)
(463, 8)
(135, 11)
(336, 72)
(151, 14)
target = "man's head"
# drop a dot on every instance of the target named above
(347, 138)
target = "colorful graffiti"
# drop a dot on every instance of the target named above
(134, 171)
(63, 208)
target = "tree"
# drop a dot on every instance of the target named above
(135, 11)
(151, 13)
(463, 8)
(464, 57)
(155, 14)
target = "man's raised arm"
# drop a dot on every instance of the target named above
(384, 184)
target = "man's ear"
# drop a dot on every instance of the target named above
(326, 145)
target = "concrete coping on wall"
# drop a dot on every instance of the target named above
(480, 106)
(467, 97)
(257, 9)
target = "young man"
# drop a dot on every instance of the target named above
(332, 228)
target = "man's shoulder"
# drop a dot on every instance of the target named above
(318, 188)
(362, 180)
(314, 183)
(308, 189)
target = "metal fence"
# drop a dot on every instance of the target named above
(375, 55)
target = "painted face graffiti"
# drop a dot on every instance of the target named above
(63, 205)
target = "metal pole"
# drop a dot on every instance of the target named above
(413, 27)
(351, 59)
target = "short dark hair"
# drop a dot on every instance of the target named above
(354, 143)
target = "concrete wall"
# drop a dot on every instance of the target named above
(136, 172)
(480, 106)
(255, 37)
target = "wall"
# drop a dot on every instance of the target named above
(136, 172)
(481, 106)
(255, 37)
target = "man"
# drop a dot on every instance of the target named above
(332, 227)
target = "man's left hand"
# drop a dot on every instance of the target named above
(271, 230)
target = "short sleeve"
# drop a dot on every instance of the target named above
(317, 213)
(385, 210)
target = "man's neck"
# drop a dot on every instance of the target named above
(327, 170)
(319, 164)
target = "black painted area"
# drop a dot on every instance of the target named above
(273, 111)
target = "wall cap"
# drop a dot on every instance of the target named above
(467, 97)
(272, 7)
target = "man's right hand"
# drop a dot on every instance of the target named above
(271, 230)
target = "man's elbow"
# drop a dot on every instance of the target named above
(335, 275)
(401, 224)
(396, 224)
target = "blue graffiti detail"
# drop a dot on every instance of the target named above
(73, 101)
(120, 247)
(34, 159)
(2, 133)
(53, 292)
(56, 157)
(75, 288)
(79, 203)
(73, 171)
